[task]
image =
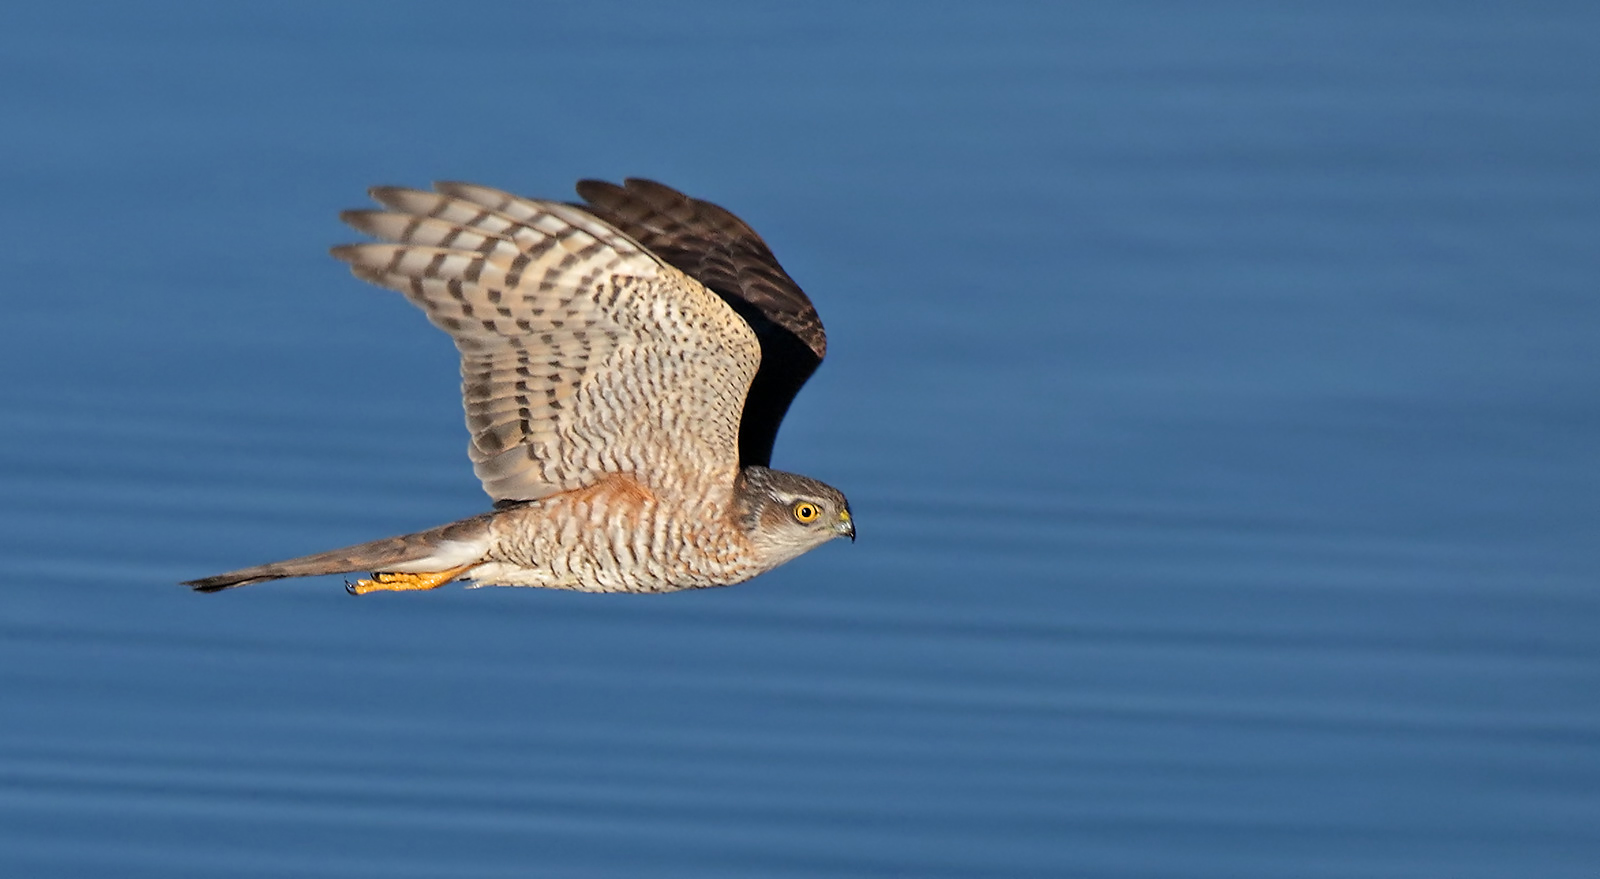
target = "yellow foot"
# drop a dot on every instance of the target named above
(383, 581)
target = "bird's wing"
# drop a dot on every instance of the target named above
(716, 248)
(581, 353)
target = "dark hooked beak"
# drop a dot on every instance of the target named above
(846, 526)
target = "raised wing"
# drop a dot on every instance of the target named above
(719, 250)
(581, 353)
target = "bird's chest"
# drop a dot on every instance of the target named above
(620, 536)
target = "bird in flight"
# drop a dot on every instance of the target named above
(625, 363)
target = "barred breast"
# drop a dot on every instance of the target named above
(619, 536)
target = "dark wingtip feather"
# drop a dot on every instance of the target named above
(589, 190)
(353, 216)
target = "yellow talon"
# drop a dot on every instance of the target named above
(394, 581)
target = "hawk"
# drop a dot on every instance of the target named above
(625, 363)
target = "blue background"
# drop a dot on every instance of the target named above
(1215, 385)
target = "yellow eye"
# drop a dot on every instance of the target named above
(806, 512)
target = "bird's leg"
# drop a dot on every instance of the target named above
(388, 581)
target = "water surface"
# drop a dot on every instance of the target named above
(1215, 389)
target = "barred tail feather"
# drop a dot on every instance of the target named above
(437, 549)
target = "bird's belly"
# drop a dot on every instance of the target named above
(615, 537)
(598, 579)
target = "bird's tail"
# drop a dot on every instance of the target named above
(444, 548)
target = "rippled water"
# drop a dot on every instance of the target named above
(1215, 387)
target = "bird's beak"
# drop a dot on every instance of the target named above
(846, 526)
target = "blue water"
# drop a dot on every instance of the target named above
(1215, 385)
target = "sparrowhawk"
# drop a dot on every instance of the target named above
(625, 364)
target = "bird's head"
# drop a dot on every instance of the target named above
(786, 514)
